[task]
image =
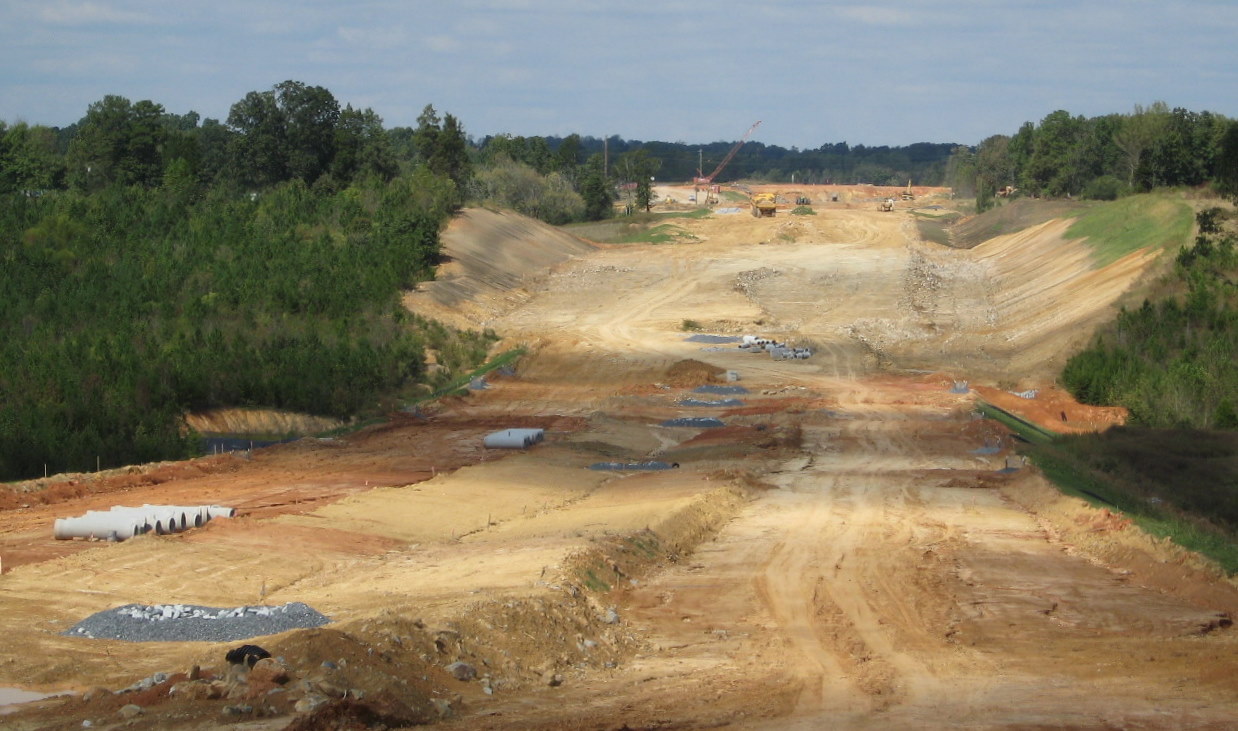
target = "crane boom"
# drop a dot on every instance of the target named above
(709, 179)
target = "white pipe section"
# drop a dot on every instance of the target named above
(102, 526)
(121, 523)
(513, 438)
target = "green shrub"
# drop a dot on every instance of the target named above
(1105, 188)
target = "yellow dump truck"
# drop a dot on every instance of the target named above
(764, 204)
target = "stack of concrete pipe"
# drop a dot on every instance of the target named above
(121, 523)
(514, 438)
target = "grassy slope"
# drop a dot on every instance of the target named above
(1116, 229)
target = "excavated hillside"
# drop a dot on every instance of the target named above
(848, 545)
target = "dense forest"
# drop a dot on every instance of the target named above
(153, 265)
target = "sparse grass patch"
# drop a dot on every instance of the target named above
(457, 385)
(662, 234)
(803, 211)
(689, 325)
(934, 230)
(593, 583)
(698, 213)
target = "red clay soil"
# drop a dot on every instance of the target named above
(1055, 410)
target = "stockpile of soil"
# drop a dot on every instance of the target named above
(689, 373)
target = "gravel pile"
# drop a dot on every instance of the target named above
(704, 338)
(192, 623)
(695, 421)
(720, 390)
(702, 402)
(625, 466)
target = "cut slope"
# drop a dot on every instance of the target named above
(489, 258)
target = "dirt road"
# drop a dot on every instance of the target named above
(845, 552)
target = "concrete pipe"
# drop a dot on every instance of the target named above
(513, 438)
(506, 439)
(103, 526)
(121, 523)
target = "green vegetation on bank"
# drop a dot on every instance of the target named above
(1151, 221)
(1171, 360)
(1180, 484)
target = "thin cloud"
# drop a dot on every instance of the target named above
(390, 37)
(443, 44)
(877, 15)
(65, 12)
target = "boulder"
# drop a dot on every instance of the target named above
(462, 671)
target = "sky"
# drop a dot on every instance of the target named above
(813, 72)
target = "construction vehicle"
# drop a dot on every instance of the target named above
(706, 182)
(886, 205)
(907, 194)
(764, 205)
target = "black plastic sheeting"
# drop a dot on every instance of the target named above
(720, 390)
(625, 466)
(700, 422)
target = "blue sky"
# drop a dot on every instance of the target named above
(869, 73)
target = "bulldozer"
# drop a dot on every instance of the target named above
(764, 205)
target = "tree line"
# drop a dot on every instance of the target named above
(1101, 158)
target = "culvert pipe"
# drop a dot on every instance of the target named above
(100, 526)
(513, 438)
(121, 523)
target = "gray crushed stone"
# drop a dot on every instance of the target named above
(194, 623)
(626, 466)
(720, 390)
(702, 402)
(703, 338)
(699, 422)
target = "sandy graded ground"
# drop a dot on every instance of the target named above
(839, 555)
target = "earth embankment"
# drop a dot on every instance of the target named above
(489, 258)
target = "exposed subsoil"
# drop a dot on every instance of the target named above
(844, 552)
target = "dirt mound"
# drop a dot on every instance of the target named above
(489, 258)
(690, 373)
(1056, 410)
